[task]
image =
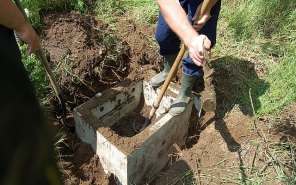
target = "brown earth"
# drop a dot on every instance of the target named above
(88, 57)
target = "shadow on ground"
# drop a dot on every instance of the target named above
(236, 84)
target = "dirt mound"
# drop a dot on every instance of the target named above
(87, 55)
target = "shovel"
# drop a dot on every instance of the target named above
(155, 105)
(41, 55)
(208, 96)
(164, 88)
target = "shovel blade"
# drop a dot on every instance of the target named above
(147, 122)
(198, 105)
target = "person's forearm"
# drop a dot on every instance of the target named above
(11, 16)
(177, 20)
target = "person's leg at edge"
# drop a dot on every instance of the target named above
(26, 140)
(169, 44)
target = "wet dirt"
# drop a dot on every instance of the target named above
(87, 59)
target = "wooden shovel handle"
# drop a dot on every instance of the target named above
(204, 8)
(167, 81)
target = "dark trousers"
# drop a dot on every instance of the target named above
(27, 155)
(169, 42)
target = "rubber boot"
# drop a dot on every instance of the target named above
(159, 79)
(180, 103)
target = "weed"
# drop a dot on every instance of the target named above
(59, 139)
(36, 73)
(184, 178)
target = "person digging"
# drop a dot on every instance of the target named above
(176, 23)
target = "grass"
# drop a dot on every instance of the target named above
(34, 7)
(186, 177)
(266, 37)
(36, 74)
(276, 171)
(142, 11)
(59, 139)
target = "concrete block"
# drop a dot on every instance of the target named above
(147, 152)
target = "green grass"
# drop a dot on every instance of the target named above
(142, 11)
(285, 150)
(265, 32)
(36, 73)
(281, 158)
(34, 7)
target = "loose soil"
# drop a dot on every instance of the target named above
(89, 57)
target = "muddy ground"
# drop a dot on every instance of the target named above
(89, 57)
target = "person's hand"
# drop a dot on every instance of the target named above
(199, 23)
(27, 35)
(196, 49)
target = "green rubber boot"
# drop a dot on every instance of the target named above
(184, 95)
(159, 79)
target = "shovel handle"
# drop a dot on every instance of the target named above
(170, 75)
(204, 8)
(167, 81)
(41, 55)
